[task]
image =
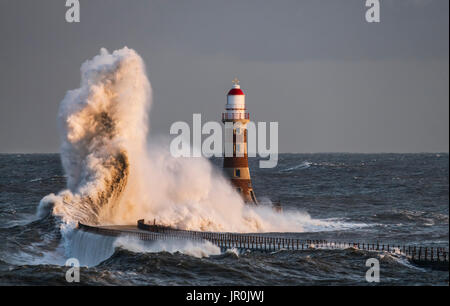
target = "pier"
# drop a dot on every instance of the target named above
(429, 257)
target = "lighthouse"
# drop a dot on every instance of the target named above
(235, 163)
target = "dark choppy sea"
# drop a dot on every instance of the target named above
(396, 198)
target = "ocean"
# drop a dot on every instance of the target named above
(392, 198)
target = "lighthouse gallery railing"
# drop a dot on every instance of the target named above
(235, 116)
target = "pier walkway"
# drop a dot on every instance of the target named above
(431, 257)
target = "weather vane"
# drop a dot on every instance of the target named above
(235, 81)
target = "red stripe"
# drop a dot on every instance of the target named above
(235, 92)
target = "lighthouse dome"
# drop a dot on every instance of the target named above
(235, 98)
(236, 91)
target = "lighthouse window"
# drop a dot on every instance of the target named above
(237, 173)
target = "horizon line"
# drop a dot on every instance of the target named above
(319, 152)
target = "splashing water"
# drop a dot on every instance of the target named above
(303, 165)
(192, 248)
(103, 126)
(114, 176)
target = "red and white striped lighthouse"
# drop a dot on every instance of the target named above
(235, 165)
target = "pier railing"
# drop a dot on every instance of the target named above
(433, 256)
(269, 243)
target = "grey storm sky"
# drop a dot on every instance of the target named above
(334, 82)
